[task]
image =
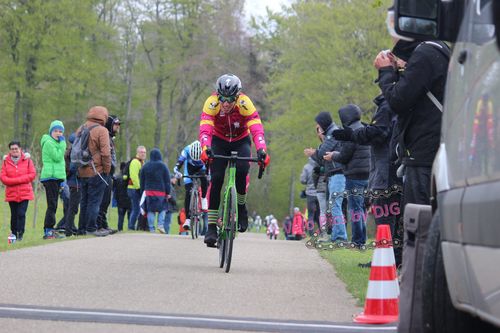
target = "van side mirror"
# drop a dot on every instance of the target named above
(428, 19)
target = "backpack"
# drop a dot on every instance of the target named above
(80, 154)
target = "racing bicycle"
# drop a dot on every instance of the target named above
(227, 222)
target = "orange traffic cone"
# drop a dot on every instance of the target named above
(382, 297)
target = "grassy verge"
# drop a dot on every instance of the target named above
(346, 266)
(34, 223)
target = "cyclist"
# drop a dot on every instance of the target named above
(228, 118)
(190, 157)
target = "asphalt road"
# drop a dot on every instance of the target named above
(140, 282)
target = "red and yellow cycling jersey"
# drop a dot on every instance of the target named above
(231, 126)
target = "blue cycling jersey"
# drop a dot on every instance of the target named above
(185, 159)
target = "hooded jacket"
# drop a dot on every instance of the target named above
(355, 157)
(329, 144)
(53, 150)
(99, 145)
(378, 135)
(418, 117)
(155, 182)
(17, 178)
(307, 177)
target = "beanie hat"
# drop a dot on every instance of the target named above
(324, 120)
(56, 124)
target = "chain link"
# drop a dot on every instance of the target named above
(314, 243)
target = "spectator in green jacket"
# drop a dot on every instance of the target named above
(53, 173)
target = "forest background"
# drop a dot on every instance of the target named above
(154, 62)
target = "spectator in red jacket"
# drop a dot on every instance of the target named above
(17, 174)
(298, 224)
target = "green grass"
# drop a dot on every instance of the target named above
(346, 265)
(34, 223)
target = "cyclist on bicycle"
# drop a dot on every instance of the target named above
(190, 157)
(227, 119)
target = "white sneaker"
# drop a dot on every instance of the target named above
(204, 204)
(161, 230)
(186, 224)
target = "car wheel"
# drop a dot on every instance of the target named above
(438, 313)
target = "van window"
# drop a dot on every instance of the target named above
(480, 21)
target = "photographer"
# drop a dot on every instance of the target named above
(416, 96)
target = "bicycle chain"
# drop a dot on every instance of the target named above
(372, 194)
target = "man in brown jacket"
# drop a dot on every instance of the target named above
(95, 177)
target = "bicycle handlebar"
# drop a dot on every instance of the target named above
(235, 157)
(195, 176)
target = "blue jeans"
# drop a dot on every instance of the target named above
(168, 220)
(336, 185)
(135, 199)
(356, 209)
(151, 220)
(93, 189)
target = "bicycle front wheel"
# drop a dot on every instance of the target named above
(232, 209)
(195, 213)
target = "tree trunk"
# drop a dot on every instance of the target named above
(159, 111)
(17, 110)
(27, 113)
(128, 116)
(292, 191)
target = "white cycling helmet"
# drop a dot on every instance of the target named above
(195, 150)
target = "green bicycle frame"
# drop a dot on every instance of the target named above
(231, 183)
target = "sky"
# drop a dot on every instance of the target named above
(258, 7)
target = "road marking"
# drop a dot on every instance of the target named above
(137, 318)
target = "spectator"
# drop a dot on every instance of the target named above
(382, 177)
(75, 194)
(287, 228)
(172, 204)
(273, 229)
(121, 196)
(155, 188)
(113, 127)
(333, 171)
(251, 223)
(258, 223)
(133, 189)
(356, 160)
(307, 178)
(64, 194)
(94, 178)
(415, 95)
(298, 224)
(53, 173)
(18, 172)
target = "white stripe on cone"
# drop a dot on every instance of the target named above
(383, 257)
(382, 290)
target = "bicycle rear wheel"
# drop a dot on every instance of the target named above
(231, 226)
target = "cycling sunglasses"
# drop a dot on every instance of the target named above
(229, 99)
